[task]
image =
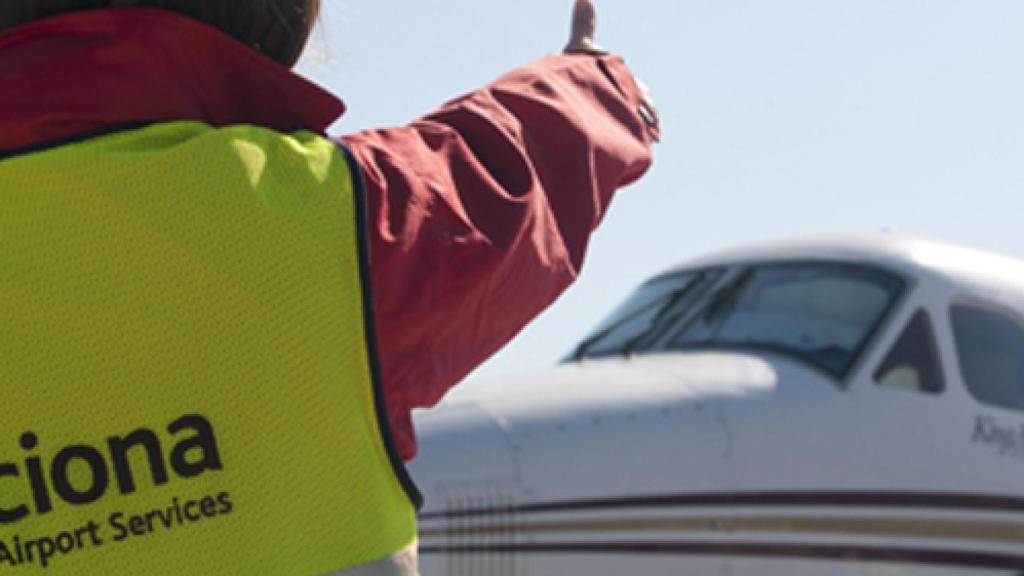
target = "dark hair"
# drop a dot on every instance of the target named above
(277, 28)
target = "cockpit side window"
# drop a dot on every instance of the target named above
(642, 317)
(823, 314)
(990, 346)
(913, 363)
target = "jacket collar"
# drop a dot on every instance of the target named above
(86, 71)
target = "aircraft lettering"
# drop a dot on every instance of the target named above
(1007, 440)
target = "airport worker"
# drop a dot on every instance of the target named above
(217, 319)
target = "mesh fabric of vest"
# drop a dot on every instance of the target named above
(186, 378)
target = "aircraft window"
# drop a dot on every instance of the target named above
(913, 363)
(644, 315)
(823, 314)
(991, 350)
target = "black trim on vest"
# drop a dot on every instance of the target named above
(362, 215)
(72, 139)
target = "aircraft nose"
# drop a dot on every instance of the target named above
(459, 446)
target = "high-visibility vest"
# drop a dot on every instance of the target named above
(187, 360)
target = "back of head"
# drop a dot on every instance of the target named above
(277, 28)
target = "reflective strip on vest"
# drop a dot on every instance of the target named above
(187, 360)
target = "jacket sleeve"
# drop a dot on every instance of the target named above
(480, 215)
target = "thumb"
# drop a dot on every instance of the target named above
(584, 28)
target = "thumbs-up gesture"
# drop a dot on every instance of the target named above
(581, 39)
(584, 27)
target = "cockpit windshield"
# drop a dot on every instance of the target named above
(823, 314)
(820, 313)
(655, 306)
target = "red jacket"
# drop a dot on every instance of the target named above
(480, 212)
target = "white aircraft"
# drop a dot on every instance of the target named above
(849, 406)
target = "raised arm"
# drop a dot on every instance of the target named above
(481, 212)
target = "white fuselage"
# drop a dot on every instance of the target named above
(738, 462)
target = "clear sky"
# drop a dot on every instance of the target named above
(781, 119)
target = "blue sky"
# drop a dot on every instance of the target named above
(785, 118)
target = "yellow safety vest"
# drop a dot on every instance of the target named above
(186, 360)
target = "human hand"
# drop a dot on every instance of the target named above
(581, 39)
(584, 27)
